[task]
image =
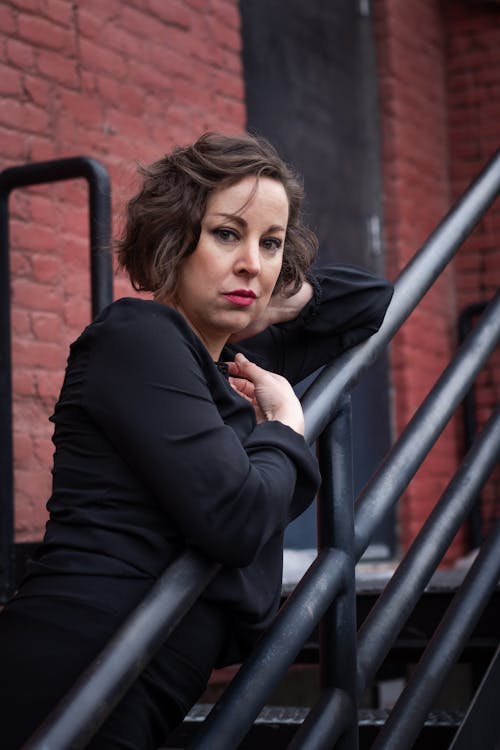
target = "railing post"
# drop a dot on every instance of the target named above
(338, 666)
(334, 718)
(101, 289)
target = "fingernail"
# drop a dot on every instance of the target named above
(241, 357)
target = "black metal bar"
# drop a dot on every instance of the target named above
(403, 591)
(101, 295)
(97, 178)
(6, 445)
(80, 714)
(422, 431)
(322, 397)
(242, 701)
(465, 322)
(408, 715)
(337, 632)
(481, 720)
(327, 720)
(391, 610)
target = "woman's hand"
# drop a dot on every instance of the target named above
(280, 309)
(271, 395)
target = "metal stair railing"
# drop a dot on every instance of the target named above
(331, 574)
(259, 674)
(99, 200)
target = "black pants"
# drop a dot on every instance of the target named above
(40, 659)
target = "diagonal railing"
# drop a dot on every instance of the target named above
(328, 582)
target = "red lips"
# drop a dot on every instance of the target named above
(242, 293)
(241, 297)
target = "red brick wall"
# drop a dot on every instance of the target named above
(439, 66)
(473, 70)
(119, 81)
(122, 81)
(412, 69)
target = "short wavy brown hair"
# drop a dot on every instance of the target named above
(163, 220)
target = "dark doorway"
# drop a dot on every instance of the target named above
(311, 88)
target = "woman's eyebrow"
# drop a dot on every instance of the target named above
(241, 221)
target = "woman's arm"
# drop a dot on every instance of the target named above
(281, 309)
(226, 493)
(347, 305)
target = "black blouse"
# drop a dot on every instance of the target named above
(155, 452)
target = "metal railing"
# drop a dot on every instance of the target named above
(326, 592)
(101, 295)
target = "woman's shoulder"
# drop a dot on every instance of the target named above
(140, 323)
(136, 313)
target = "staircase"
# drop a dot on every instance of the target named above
(358, 638)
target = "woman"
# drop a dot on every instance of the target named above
(170, 434)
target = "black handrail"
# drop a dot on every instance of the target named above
(80, 714)
(101, 295)
(387, 617)
(408, 715)
(406, 586)
(328, 575)
(465, 323)
(382, 493)
(482, 712)
(323, 395)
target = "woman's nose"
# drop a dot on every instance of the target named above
(248, 260)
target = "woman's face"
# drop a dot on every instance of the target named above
(227, 281)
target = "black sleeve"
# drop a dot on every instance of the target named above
(148, 392)
(348, 306)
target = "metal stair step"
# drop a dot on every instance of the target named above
(275, 726)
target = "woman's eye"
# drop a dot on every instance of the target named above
(273, 244)
(225, 235)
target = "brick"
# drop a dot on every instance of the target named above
(142, 24)
(174, 12)
(84, 110)
(23, 116)
(57, 67)
(124, 96)
(36, 6)
(229, 85)
(44, 354)
(43, 210)
(20, 322)
(127, 125)
(7, 20)
(226, 37)
(90, 24)
(125, 43)
(29, 237)
(20, 54)
(108, 11)
(46, 268)
(38, 90)
(33, 482)
(44, 33)
(60, 11)
(12, 145)
(32, 296)
(19, 263)
(49, 385)
(23, 448)
(10, 82)
(100, 58)
(76, 313)
(23, 382)
(40, 148)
